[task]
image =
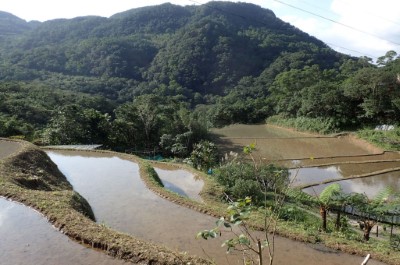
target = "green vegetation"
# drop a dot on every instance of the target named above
(388, 140)
(319, 125)
(151, 172)
(204, 155)
(278, 209)
(241, 179)
(148, 79)
(155, 79)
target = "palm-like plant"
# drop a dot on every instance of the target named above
(370, 210)
(328, 198)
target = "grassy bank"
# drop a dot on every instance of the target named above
(304, 124)
(387, 140)
(31, 178)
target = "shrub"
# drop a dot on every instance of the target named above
(241, 179)
(204, 155)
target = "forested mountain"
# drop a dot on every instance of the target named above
(205, 49)
(215, 64)
(12, 25)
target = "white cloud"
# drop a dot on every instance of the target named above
(378, 18)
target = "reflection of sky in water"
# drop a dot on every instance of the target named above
(182, 182)
(369, 185)
(4, 211)
(314, 175)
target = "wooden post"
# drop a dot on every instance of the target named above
(366, 259)
(377, 230)
(391, 228)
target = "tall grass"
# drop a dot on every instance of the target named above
(319, 125)
(388, 140)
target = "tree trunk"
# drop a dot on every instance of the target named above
(322, 211)
(338, 220)
(368, 225)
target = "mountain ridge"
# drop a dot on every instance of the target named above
(205, 49)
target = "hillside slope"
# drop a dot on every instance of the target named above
(206, 49)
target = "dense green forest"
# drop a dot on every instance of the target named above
(158, 77)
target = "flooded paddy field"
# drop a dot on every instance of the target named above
(315, 159)
(272, 143)
(307, 175)
(120, 200)
(295, 148)
(371, 186)
(28, 238)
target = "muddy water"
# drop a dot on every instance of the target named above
(371, 186)
(303, 176)
(299, 148)
(120, 200)
(27, 238)
(273, 143)
(8, 147)
(182, 182)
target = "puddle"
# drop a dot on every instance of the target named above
(371, 186)
(27, 238)
(182, 182)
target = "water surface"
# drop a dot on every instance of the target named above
(304, 176)
(182, 182)
(371, 186)
(27, 238)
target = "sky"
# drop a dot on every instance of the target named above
(356, 27)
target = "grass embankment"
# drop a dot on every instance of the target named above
(387, 140)
(30, 177)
